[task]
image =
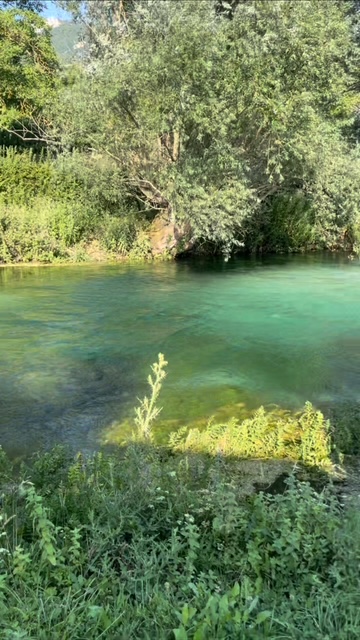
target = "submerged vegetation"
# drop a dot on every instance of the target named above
(197, 124)
(161, 542)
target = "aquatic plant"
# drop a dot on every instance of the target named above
(303, 436)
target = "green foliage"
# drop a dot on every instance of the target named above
(103, 20)
(222, 617)
(238, 123)
(23, 177)
(25, 5)
(5, 467)
(28, 65)
(219, 213)
(304, 437)
(50, 206)
(138, 544)
(118, 234)
(42, 231)
(287, 224)
(238, 118)
(345, 418)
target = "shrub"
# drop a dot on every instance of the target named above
(42, 231)
(24, 176)
(49, 205)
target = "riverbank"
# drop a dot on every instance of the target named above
(66, 263)
(91, 255)
(182, 541)
(146, 543)
(107, 261)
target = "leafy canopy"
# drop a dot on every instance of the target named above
(224, 116)
(28, 65)
(24, 5)
(238, 119)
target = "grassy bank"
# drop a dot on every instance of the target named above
(145, 545)
(163, 542)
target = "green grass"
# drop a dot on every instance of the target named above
(160, 542)
(145, 544)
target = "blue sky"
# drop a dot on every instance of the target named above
(52, 11)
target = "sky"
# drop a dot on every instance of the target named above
(52, 11)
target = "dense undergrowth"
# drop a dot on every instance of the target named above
(58, 210)
(151, 542)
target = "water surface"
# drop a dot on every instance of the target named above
(76, 342)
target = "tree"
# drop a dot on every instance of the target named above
(24, 5)
(28, 66)
(103, 21)
(224, 122)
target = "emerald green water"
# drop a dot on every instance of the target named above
(76, 342)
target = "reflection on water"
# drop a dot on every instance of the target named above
(76, 342)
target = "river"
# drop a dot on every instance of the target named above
(76, 343)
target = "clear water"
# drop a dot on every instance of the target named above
(76, 342)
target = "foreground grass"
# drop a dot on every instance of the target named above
(145, 544)
(152, 542)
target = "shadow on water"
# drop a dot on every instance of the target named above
(217, 264)
(41, 412)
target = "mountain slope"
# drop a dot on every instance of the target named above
(66, 40)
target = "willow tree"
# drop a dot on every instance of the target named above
(235, 125)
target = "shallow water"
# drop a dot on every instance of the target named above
(76, 342)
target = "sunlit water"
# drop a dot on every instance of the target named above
(76, 342)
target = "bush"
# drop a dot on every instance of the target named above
(286, 224)
(118, 234)
(49, 206)
(42, 231)
(24, 176)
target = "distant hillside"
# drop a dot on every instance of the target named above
(66, 39)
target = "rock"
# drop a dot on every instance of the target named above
(168, 237)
